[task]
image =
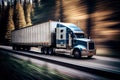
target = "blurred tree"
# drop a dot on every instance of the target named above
(0, 11)
(37, 3)
(61, 17)
(27, 10)
(0, 19)
(10, 24)
(19, 18)
(90, 10)
(3, 22)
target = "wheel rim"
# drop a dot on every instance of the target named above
(50, 51)
(45, 51)
(42, 51)
(76, 54)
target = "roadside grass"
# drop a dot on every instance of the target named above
(16, 69)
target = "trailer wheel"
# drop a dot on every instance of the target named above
(13, 47)
(24, 48)
(42, 50)
(28, 48)
(18, 48)
(77, 53)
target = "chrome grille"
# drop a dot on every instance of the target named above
(91, 46)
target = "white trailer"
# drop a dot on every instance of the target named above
(35, 35)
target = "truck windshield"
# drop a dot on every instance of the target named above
(79, 35)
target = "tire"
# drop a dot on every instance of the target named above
(50, 51)
(27, 48)
(18, 48)
(42, 50)
(45, 50)
(76, 54)
(13, 47)
(24, 48)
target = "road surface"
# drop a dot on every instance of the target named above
(91, 69)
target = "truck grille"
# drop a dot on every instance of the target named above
(91, 46)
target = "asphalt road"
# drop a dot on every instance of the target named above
(95, 64)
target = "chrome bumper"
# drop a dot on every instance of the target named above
(88, 52)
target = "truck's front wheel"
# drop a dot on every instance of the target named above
(77, 53)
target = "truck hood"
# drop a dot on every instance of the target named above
(83, 39)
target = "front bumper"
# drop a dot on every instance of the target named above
(88, 52)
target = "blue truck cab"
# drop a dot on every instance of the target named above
(71, 38)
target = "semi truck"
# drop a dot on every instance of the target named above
(54, 37)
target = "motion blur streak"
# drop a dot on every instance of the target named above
(105, 24)
(100, 19)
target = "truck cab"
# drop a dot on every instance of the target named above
(72, 38)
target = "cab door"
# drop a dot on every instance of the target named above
(61, 37)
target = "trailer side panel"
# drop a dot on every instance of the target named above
(35, 35)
